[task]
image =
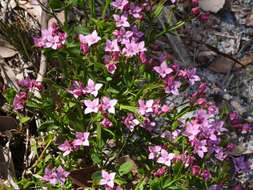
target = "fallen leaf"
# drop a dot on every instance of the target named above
(32, 7)
(249, 19)
(81, 177)
(211, 5)
(60, 16)
(7, 123)
(7, 50)
(246, 60)
(221, 65)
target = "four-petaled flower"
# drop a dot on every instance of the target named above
(66, 147)
(77, 89)
(108, 104)
(107, 178)
(154, 151)
(92, 106)
(112, 46)
(120, 4)
(89, 39)
(93, 88)
(165, 158)
(163, 70)
(121, 21)
(81, 139)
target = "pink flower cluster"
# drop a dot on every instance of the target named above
(30, 84)
(106, 105)
(203, 16)
(169, 75)
(150, 109)
(128, 40)
(19, 101)
(81, 140)
(238, 124)
(160, 155)
(56, 175)
(204, 132)
(197, 171)
(78, 89)
(86, 41)
(51, 38)
(21, 97)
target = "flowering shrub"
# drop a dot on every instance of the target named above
(106, 97)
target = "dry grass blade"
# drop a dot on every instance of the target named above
(18, 32)
(176, 42)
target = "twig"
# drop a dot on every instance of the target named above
(43, 64)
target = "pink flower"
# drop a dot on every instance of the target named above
(121, 21)
(206, 174)
(90, 39)
(132, 48)
(92, 106)
(19, 101)
(108, 104)
(51, 38)
(77, 89)
(200, 147)
(111, 68)
(192, 130)
(154, 151)
(107, 178)
(61, 175)
(163, 70)
(246, 128)
(135, 11)
(172, 86)
(81, 139)
(66, 147)
(192, 76)
(106, 123)
(173, 1)
(160, 172)
(145, 108)
(196, 11)
(55, 176)
(234, 118)
(120, 4)
(204, 16)
(50, 176)
(130, 122)
(112, 46)
(165, 158)
(30, 84)
(84, 48)
(93, 88)
(143, 57)
(196, 170)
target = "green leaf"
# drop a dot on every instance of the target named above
(141, 185)
(9, 95)
(159, 8)
(95, 158)
(56, 4)
(24, 119)
(125, 168)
